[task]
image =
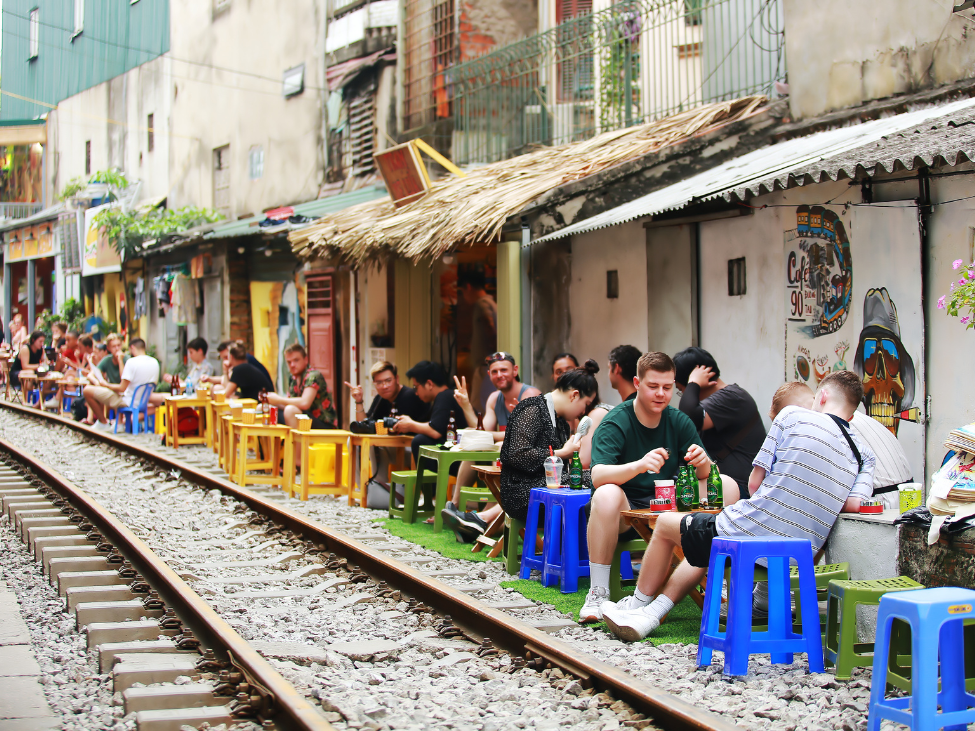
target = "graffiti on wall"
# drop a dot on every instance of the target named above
(820, 304)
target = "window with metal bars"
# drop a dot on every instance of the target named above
(318, 294)
(362, 131)
(67, 233)
(430, 49)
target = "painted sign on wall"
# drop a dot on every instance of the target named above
(99, 257)
(871, 323)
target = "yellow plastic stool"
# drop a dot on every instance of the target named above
(322, 463)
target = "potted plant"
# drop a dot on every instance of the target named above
(960, 300)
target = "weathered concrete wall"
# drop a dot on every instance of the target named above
(485, 26)
(212, 107)
(671, 287)
(845, 52)
(599, 324)
(113, 116)
(551, 276)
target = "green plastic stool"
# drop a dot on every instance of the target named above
(615, 582)
(473, 495)
(842, 647)
(823, 573)
(512, 544)
(410, 511)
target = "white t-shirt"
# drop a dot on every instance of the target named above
(137, 371)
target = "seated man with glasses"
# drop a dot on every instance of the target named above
(391, 399)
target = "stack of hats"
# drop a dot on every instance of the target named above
(471, 440)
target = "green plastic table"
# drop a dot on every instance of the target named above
(445, 458)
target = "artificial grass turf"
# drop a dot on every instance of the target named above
(444, 542)
(682, 625)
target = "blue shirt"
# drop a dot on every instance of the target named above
(810, 472)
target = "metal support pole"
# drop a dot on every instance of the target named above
(527, 347)
(7, 301)
(31, 276)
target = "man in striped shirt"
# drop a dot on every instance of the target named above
(808, 471)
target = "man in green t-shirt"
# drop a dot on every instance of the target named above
(641, 440)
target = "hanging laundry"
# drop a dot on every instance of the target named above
(139, 306)
(184, 298)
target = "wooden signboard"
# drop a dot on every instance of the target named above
(403, 172)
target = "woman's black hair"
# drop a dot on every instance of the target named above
(581, 379)
(690, 358)
(560, 356)
(35, 335)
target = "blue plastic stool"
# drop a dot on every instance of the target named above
(565, 556)
(529, 559)
(133, 415)
(936, 618)
(779, 640)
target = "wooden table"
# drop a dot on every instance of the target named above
(173, 405)
(445, 459)
(67, 383)
(27, 379)
(491, 474)
(296, 450)
(359, 445)
(644, 521)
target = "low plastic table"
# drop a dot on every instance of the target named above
(445, 459)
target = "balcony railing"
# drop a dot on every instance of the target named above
(636, 61)
(13, 211)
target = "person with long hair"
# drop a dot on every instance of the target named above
(30, 356)
(537, 426)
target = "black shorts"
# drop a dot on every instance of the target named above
(697, 530)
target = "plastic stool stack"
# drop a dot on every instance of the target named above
(779, 640)
(936, 618)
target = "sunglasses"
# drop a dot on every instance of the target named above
(499, 356)
(874, 349)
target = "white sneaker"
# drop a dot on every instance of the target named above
(590, 610)
(107, 426)
(51, 403)
(626, 604)
(631, 626)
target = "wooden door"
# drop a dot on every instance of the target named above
(321, 329)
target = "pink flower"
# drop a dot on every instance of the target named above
(964, 320)
(952, 286)
(941, 302)
(961, 281)
(956, 263)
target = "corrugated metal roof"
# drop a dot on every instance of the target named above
(942, 132)
(311, 209)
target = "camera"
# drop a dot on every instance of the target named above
(368, 426)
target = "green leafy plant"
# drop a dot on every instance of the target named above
(128, 230)
(72, 312)
(961, 297)
(113, 178)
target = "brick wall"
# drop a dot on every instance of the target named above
(241, 326)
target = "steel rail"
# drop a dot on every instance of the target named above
(288, 704)
(473, 617)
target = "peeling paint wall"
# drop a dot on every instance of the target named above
(485, 26)
(551, 275)
(842, 53)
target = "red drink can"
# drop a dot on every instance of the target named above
(272, 416)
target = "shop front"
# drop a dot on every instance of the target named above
(29, 271)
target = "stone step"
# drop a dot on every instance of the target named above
(67, 579)
(86, 594)
(76, 563)
(49, 553)
(108, 651)
(88, 612)
(151, 668)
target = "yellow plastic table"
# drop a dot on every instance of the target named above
(297, 451)
(173, 405)
(269, 437)
(359, 455)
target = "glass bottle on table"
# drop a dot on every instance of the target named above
(715, 488)
(480, 421)
(174, 385)
(686, 489)
(575, 471)
(451, 438)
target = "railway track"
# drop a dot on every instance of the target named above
(266, 695)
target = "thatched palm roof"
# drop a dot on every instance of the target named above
(465, 210)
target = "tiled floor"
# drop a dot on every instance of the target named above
(22, 703)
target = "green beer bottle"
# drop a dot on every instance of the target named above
(715, 488)
(686, 488)
(575, 471)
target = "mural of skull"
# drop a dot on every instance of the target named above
(886, 368)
